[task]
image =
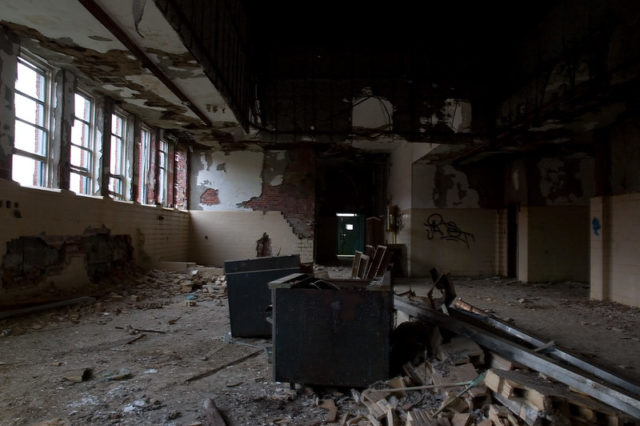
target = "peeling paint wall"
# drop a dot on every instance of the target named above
(222, 181)
(253, 180)
(550, 181)
(443, 187)
(151, 233)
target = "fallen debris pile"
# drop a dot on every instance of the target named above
(449, 379)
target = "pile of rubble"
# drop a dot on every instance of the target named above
(459, 383)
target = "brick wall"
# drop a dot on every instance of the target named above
(295, 196)
(181, 177)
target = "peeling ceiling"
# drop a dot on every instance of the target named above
(67, 35)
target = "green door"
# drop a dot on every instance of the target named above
(350, 234)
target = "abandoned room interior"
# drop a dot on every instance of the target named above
(427, 211)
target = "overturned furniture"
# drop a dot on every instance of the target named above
(249, 296)
(331, 332)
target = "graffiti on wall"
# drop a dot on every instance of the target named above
(450, 231)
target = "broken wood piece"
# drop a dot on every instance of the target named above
(390, 417)
(529, 414)
(136, 339)
(498, 415)
(373, 421)
(544, 396)
(211, 413)
(356, 264)
(461, 350)
(474, 382)
(464, 373)
(419, 417)
(501, 363)
(142, 330)
(461, 419)
(418, 374)
(332, 410)
(425, 387)
(228, 364)
(374, 409)
(364, 265)
(398, 384)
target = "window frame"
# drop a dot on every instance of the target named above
(39, 66)
(90, 171)
(122, 177)
(163, 172)
(144, 167)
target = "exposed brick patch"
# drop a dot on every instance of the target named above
(210, 197)
(181, 177)
(295, 197)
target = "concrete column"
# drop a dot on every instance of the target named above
(8, 71)
(599, 276)
(523, 244)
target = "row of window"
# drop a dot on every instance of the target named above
(33, 121)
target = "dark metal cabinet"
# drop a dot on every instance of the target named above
(249, 296)
(336, 335)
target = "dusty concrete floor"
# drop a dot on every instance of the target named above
(144, 382)
(605, 333)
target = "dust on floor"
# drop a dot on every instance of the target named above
(146, 380)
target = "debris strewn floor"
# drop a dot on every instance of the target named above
(155, 346)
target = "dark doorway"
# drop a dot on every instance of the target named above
(350, 234)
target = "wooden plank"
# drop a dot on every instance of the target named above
(375, 262)
(418, 417)
(580, 380)
(356, 264)
(461, 350)
(384, 263)
(364, 264)
(461, 419)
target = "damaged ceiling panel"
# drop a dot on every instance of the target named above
(66, 34)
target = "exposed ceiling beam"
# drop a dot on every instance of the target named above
(111, 25)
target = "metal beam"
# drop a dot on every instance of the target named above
(605, 392)
(553, 352)
(113, 27)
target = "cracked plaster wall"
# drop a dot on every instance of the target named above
(230, 184)
(154, 235)
(234, 176)
(550, 181)
(442, 187)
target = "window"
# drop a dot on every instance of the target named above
(144, 164)
(117, 157)
(163, 163)
(82, 152)
(31, 146)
